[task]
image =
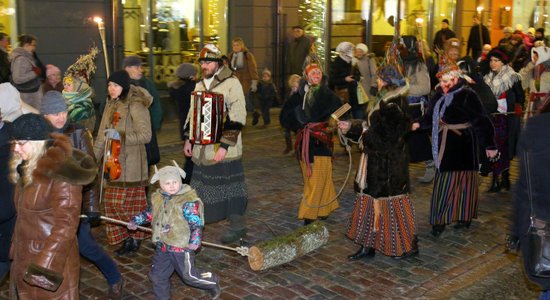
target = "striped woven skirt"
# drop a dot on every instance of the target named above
(455, 197)
(123, 204)
(221, 188)
(319, 198)
(385, 224)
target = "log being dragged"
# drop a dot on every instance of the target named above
(288, 247)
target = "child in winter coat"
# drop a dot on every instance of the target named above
(267, 95)
(294, 85)
(176, 215)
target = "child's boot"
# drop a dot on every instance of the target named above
(215, 292)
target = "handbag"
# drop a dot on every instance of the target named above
(362, 96)
(538, 236)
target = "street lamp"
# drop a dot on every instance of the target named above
(101, 28)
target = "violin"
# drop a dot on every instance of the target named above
(111, 166)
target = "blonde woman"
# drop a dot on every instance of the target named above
(48, 196)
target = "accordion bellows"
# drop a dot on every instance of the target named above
(206, 123)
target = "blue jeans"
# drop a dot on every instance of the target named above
(545, 295)
(91, 250)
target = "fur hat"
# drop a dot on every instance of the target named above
(362, 47)
(52, 102)
(30, 127)
(168, 173)
(186, 70)
(51, 69)
(210, 53)
(132, 61)
(499, 53)
(121, 78)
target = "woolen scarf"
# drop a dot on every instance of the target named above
(501, 81)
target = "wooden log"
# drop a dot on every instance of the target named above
(288, 247)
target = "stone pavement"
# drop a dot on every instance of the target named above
(460, 264)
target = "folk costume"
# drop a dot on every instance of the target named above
(458, 123)
(46, 264)
(308, 112)
(125, 118)
(536, 77)
(505, 84)
(221, 185)
(383, 217)
(177, 220)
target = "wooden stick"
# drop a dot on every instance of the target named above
(241, 250)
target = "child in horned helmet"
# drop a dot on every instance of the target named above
(176, 216)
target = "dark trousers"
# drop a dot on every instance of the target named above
(265, 106)
(165, 263)
(92, 251)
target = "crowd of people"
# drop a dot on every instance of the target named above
(460, 116)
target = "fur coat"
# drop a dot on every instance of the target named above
(46, 263)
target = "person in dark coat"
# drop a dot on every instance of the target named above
(534, 151)
(479, 36)
(383, 217)
(7, 209)
(458, 123)
(308, 112)
(443, 35)
(343, 78)
(5, 71)
(297, 51)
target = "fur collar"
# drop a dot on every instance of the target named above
(62, 162)
(224, 74)
(400, 91)
(138, 94)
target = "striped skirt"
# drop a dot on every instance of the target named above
(221, 188)
(455, 197)
(319, 194)
(385, 224)
(123, 204)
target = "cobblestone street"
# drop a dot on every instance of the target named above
(460, 264)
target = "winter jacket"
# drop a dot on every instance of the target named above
(134, 127)
(296, 54)
(385, 144)
(155, 109)
(48, 209)
(367, 69)
(537, 77)
(24, 70)
(419, 79)
(461, 150)
(5, 66)
(474, 41)
(534, 148)
(7, 209)
(180, 92)
(339, 70)
(248, 72)
(228, 85)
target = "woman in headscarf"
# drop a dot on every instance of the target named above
(505, 84)
(383, 217)
(458, 123)
(536, 77)
(343, 78)
(79, 101)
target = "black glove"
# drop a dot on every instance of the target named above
(512, 243)
(94, 218)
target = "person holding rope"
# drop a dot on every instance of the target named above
(308, 112)
(177, 217)
(383, 217)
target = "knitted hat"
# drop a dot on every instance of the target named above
(531, 30)
(52, 102)
(51, 69)
(186, 70)
(266, 71)
(30, 127)
(121, 78)
(500, 54)
(168, 173)
(210, 53)
(132, 61)
(362, 47)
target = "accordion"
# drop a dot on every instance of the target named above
(207, 116)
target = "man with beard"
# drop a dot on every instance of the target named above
(218, 175)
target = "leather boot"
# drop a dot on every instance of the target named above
(116, 291)
(429, 174)
(255, 118)
(237, 229)
(125, 248)
(505, 180)
(215, 292)
(363, 252)
(495, 186)
(134, 246)
(437, 230)
(288, 142)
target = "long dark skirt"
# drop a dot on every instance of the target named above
(385, 224)
(455, 197)
(222, 189)
(501, 138)
(419, 142)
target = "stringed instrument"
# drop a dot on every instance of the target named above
(111, 165)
